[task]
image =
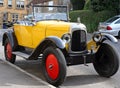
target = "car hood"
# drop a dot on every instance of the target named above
(55, 25)
(58, 28)
(61, 25)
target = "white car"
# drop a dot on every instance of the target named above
(111, 26)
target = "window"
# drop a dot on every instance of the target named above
(50, 3)
(5, 16)
(20, 4)
(118, 22)
(14, 17)
(112, 19)
(10, 3)
(1, 2)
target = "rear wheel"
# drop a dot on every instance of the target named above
(8, 52)
(106, 62)
(54, 66)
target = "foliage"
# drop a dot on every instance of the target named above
(90, 18)
(78, 4)
(99, 5)
(87, 5)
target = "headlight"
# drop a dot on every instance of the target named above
(97, 37)
(66, 38)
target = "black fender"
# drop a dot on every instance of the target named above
(49, 41)
(109, 37)
(11, 37)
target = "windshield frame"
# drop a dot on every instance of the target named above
(59, 6)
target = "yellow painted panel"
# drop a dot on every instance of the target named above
(23, 35)
(38, 33)
(26, 34)
(92, 45)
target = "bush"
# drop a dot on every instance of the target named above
(91, 19)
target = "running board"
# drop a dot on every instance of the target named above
(21, 54)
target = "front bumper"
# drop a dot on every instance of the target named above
(78, 58)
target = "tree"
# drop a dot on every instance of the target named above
(78, 4)
(99, 5)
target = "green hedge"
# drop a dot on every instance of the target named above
(91, 19)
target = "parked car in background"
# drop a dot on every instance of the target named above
(111, 26)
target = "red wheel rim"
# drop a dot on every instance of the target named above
(52, 66)
(9, 51)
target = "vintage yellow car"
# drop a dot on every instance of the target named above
(48, 35)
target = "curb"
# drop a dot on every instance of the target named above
(31, 75)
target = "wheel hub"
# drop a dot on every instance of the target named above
(9, 51)
(52, 66)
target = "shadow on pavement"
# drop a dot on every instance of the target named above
(35, 68)
(83, 80)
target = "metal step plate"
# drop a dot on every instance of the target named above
(21, 54)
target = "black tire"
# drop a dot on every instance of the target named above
(8, 52)
(54, 66)
(106, 62)
(119, 35)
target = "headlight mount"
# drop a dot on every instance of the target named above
(66, 38)
(97, 37)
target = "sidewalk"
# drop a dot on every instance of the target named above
(12, 77)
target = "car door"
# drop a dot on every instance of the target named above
(38, 33)
(26, 34)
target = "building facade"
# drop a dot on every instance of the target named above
(52, 2)
(12, 10)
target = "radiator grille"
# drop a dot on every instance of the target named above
(78, 42)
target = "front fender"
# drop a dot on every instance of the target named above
(109, 37)
(57, 41)
(103, 37)
(47, 42)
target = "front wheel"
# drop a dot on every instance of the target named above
(54, 66)
(106, 62)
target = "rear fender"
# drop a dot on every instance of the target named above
(11, 37)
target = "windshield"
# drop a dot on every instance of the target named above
(50, 13)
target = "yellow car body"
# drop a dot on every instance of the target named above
(33, 35)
